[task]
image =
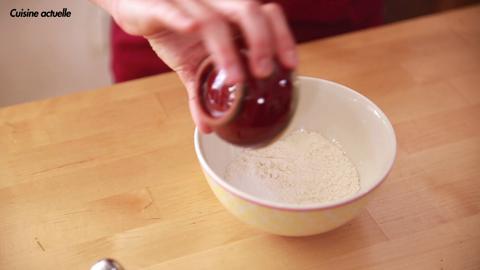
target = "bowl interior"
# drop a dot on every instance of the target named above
(337, 112)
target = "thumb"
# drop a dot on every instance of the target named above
(190, 84)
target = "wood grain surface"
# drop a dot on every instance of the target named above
(112, 172)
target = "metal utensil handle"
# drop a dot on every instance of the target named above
(107, 264)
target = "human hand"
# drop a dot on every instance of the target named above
(185, 32)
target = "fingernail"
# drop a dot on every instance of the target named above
(265, 66)
(291, 57)
(234, 74)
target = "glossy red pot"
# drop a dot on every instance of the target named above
(247, 114)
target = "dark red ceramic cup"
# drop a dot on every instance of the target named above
(249, 114)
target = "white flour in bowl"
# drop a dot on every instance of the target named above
(302, 168)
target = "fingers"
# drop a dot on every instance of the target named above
(217, 38)
(148, 18)
(248, 15)
(194, 110)
(283, 39)
(264, 27)
(188, 79)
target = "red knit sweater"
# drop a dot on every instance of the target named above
(132, 56)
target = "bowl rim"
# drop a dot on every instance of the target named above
(308, 207)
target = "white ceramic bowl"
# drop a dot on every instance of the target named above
(340, 114)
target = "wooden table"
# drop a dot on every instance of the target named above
(112, 172)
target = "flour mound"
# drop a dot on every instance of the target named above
(303, 168)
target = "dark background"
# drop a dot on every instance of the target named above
(396, 10)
